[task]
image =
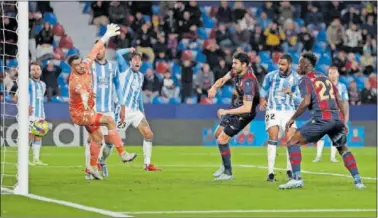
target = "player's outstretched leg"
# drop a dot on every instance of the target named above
(106, 151)
(293, 146)
(87, 154)
(351, 164)
(319, 150)
(224, 149)
(115, 139)
(94, 150)
(217, 133)
(145, 130)
(36, 147)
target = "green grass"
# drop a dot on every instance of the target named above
(186, 184)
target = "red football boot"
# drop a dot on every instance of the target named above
(151, 167)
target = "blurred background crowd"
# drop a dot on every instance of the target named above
(186, 46)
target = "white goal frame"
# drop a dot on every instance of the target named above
(22, 186)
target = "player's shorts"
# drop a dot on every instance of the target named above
(91, 121)
(104, 129)
(233, 124)
(31, 121)
(132, 117)
(278, 118)
(315, 129)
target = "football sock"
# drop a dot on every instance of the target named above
(295, 160)
(106, 151)
(333, 152)
(87, 153)
(288, 164)
(147, 150)
(36, 147)
(351, 165)
(319, 148)
(225, 152)
(95, 152)
(272, 152)
(115, 139)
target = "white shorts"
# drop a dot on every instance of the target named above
(104, 129)
(31, 121)
(133, 117)
(278, 118)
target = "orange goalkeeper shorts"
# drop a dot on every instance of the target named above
(91, 120)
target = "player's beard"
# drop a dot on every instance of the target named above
(285, 73)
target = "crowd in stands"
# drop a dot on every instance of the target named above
(186, 46)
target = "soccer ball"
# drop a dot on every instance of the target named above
(40, 128)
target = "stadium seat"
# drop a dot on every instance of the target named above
(299, 21)
(155, 9)
(161, 67)
(101, 30)
(227, 91)
(12, 63)
(264, 56)
(322, 36)
(159, 100)
(87, 6)
(201, 57)
(176, 69)
(225, 101)
(201, 32)
(324, 59)
(50, 18)
(196, 69)
(38, 29)
(146, 18)
(73, 51)
(174, 100)
(64, 90)
(58, 30)
(145, 66)
(344, 80)
(66, 42)
(208, 22)
(65, 67)
(191, 100)
(272, 66)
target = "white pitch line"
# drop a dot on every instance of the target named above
(254, 211)
(73, 205)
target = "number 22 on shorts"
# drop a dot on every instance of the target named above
(269, 117)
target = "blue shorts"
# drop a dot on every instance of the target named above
(233, 124)
(316, 129)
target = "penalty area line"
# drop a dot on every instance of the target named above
(253, 211)
(72, 205)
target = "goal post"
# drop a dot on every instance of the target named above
(22, 187)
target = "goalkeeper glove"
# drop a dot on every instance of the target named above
(111, 30)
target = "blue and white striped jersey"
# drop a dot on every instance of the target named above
(131, 83)
(106, 85)
(342, 91)
(273, 86)
(37, 91)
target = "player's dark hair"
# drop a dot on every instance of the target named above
(33, 63)
(287, 57)
(242, 57)
(135, 54)
(72, 58)
(310, 57)
(97, 41)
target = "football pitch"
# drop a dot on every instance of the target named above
(185, 187)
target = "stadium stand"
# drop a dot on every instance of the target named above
(178, 38)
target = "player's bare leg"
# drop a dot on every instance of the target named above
(36, 143)
(293, 147)
(145, 130)
(114, 138)
(289, 171)
(224, 149)
(272, 151)
(220, 171)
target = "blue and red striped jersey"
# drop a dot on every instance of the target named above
(248, 86)
(323, 96)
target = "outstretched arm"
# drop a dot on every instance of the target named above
(218, 84)
(121, 60)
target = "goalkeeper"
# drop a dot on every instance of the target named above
(81, 105)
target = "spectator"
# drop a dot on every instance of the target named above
(144, 7)
(248, 22)
(352, 65)
(224, 13)
(221, 70)
(351, 17)
(352, 39)
(118, 13)
(184, 24)
(45, 40)
(172, 44)
(274, 37)
(367, 63)
(100, 11)
(50, 75)
(371, 45)
(227, 56)
(2, 87)
(213, 54)
(238, 12)
(223, 36)
(258, 69)
(241, 37)
(370, 26)
(195, 13)
(35, 19)
(124, 39)
(264, 20)
(291, 34)
(165, 7)
(363, 15)
(160, 46)
(137, 22)
(10, 37)
(144, 45)
(314, 19)
(151, 86)
(191, 34)
(333, 11)
(10, 81)
(186, 79)
(257, 39)
(306, 40)
(179, 11)
(368, 95)
(335, 33)
(270, 10)
(44, 6)
(354, 95)
(169, 90)
(170, 23)
(340, 61)
(204, 81)
(286, 11)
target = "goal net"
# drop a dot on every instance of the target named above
(14, 76)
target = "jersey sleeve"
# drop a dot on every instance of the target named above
(249, 89)
(117, 84)
(122, 63)
(265, 86)
(304, 87)
(141, 106)
(344, 93)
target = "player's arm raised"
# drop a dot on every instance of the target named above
(249, 93)
(218, 84)
(304, 87)
(118, 89)
(111, 30)
(120, 59)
